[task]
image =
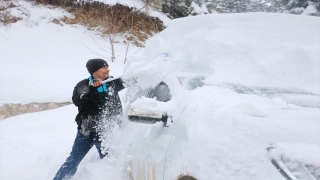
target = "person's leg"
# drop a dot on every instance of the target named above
(97, 143)
(80, 148)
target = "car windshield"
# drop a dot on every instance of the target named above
(160, 93)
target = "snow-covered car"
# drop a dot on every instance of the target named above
(293, 169)
(159, 149)
(161, 103)
(260, 89)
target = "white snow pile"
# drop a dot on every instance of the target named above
(249, 81)
(256, 49)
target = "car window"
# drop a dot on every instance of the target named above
(160, 93)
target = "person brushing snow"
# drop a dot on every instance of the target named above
(97, 103)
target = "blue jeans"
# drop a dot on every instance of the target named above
(80, 148)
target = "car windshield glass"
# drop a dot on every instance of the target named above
(160, 93)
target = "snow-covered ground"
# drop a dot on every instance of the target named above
(249, 81)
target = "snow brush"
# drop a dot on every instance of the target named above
(91, 83)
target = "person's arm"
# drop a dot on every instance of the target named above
(82, 93)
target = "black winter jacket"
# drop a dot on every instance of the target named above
(88, 101)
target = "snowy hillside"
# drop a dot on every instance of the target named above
(249, 81)
(50, 58)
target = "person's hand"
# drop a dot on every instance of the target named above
(95, 82)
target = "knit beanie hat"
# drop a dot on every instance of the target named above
(95, 64)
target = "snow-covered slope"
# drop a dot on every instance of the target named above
(42, 61)
(250, 80)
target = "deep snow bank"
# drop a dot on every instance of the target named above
(252, 49)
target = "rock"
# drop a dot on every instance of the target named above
(14, 106)
(52, 106)
(23, 108)
(176, 9)
(33, 107)
(8, 110)
(3, 109)
(2, 116)
(43, 106)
